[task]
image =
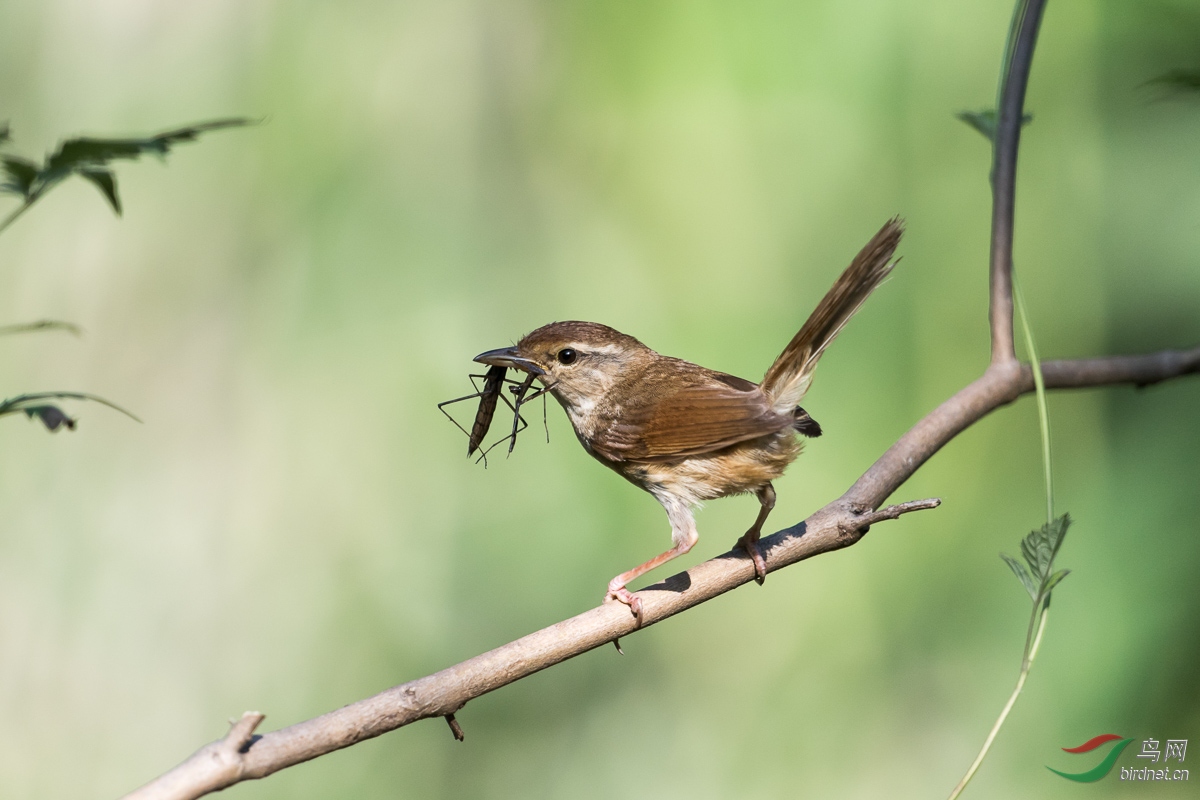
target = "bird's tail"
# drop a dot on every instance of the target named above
(789, 377)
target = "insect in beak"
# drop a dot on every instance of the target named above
(490, 394)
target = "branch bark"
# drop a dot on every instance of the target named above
(839, 524)
(212, 767)
(1004, 179)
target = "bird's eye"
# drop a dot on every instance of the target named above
(567, 356)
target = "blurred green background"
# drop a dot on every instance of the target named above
(295, 527)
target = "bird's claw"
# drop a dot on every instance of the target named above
(760, 563)
(623, 595)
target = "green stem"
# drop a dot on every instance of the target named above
(1031, 634)
(1039, 384)
(1037, 640)
(11, 218)
(1012, 700)
(1041, 604)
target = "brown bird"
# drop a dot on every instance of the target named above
(683, 432)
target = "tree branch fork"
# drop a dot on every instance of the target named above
(241, 755)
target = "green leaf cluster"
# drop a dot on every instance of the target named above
(1039, 550)
(91, 159)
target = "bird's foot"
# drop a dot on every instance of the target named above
(750, 545)
(623, 595)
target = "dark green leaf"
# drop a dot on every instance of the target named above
(90, 158)
(1057, 531)
(985, 121)
(982, 121)
(51, 416)
(1036, 550)
(1041, 546)
(74, 154)
(4, 133)
(1019, 570)
(19, 175)
(106, 183)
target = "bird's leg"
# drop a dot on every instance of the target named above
(683, 534)
(749, 542)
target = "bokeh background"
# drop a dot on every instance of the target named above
(294, 526)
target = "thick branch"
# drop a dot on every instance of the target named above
(1143, 370)
(839, 524)
(211, 768)
(1004, 181)
(1000, 385)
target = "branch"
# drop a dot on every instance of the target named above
(1141, 370)
(211, 768)
(1004, 179)
(840, 524)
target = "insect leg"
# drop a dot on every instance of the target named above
(512, 408)
(519, 395)
(542, 394)
(457, 400)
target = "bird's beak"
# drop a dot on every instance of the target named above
(507, 357)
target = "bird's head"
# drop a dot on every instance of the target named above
(578, 361)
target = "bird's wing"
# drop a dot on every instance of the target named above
(706, 413)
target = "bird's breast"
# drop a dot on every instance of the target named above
(737, 469)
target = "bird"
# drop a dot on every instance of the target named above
(683, 432)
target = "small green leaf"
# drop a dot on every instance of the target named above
(982, 121)
(4, 132)
(1019, 570)
(1056, 532)
(52, 417)
(106, 183)
(19, 175)
(1055, 580)
(1037, 554)
(85, 151)
(1041, 546)
(25, 402)
(985, 121)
